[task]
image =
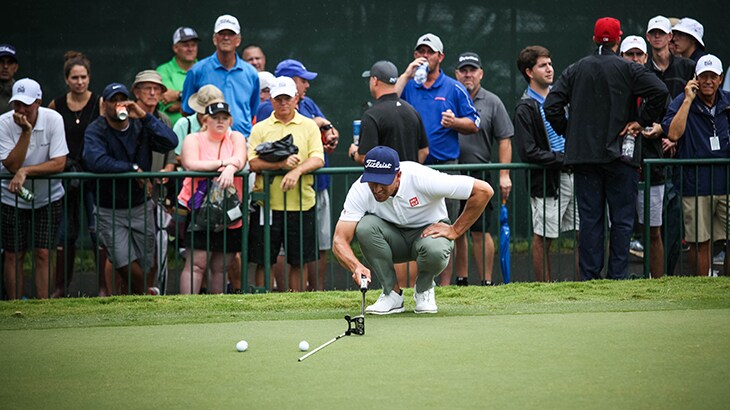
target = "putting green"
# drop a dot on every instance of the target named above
(658, 359)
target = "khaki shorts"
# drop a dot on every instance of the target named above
(705, 211)
(548, 213)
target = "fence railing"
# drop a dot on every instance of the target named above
(89, 256)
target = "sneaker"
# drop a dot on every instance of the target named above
(425, 301)
(713, 273)
(462, 281)
(387, 304)
(685, 246)
(636, 248)
(154, 291)
(719, 259)
(487, 283)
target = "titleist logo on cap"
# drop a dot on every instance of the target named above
(374, 163)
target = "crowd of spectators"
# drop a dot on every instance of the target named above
(653, 95)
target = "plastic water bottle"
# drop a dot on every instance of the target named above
(356, 132)
(627, 149)
(421, 74)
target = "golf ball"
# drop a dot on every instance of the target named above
(303, 346)
(242, 346)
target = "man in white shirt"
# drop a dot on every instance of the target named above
(32, 143)
(399, 216)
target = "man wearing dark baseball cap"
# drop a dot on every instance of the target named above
(8, 68)
(397, 213)
(495, 130)
(602, 89)
(391, 121)
(123, 140)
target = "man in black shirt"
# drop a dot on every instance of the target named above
(601, 92)
(391, 122)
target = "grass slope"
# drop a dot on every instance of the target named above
(669, 293)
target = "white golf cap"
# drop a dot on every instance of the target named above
(26, 91)
(659, 23)
(432, 41)
(691, 27)
(265, 80)
(227, 22)
(633, 42)
(708, 62)
(283, 86)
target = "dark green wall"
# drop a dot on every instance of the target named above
(337, 39)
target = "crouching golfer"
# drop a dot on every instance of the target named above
(399, 216)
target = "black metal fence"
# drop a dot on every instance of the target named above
(91, 274)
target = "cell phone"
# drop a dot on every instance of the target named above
(694, 89)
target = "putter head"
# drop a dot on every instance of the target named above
(359, 325)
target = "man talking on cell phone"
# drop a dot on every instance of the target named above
(698, 121)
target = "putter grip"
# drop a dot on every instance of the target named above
(363, 282)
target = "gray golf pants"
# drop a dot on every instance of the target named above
(383, 244)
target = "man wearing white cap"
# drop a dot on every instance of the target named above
(674, 71)
(226, 70)
(265, 79)
(32, 143)
(633, 48)
(444, 104)
(292, 196)
(698, 121)
(185, 46)
(687, 39)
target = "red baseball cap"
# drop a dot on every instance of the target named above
(607, 29)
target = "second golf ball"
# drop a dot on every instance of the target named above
(303, 346)
(242, 346)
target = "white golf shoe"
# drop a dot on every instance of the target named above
(425, 301)
(387, 304)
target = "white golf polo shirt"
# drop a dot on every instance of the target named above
(47, 141)
(419, 201)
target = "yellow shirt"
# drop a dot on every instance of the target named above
(308, 139)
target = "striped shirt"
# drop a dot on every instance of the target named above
(557, 142)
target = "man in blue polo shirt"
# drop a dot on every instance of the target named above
(224, 69)
(444, 104)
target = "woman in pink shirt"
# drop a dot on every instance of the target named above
(214, 148)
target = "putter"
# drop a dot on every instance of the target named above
(358, 321)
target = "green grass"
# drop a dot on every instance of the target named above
(602, 344)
